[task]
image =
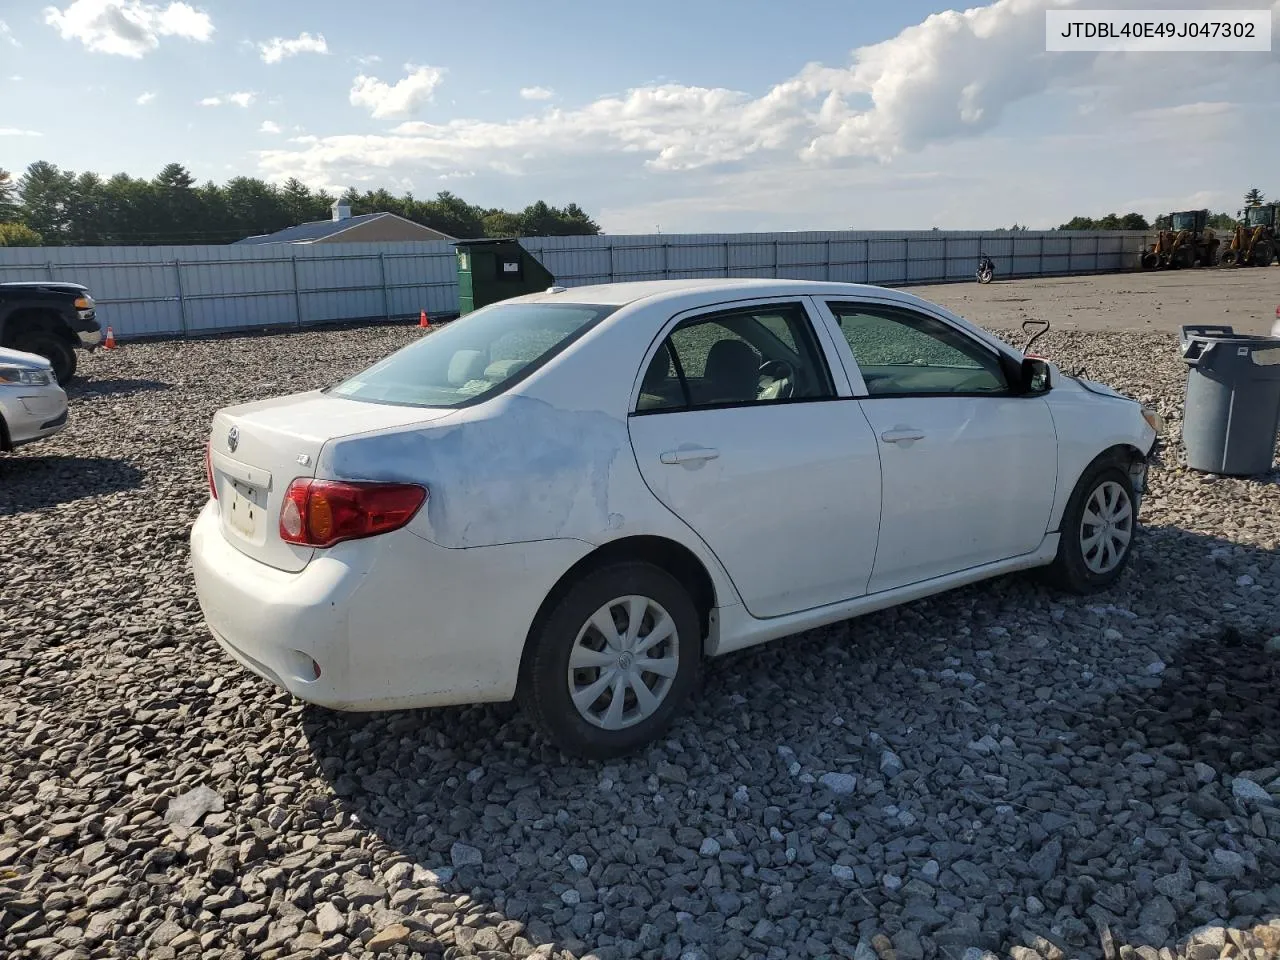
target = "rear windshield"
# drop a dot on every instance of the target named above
(474, 357)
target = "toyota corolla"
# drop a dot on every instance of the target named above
(573, 498)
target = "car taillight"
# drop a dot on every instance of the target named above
(208, 469)
(320, 513)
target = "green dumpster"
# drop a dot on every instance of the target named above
(493, 270)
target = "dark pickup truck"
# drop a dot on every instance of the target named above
(51, 319)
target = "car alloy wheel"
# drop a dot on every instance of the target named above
(624, 661)
(1106, 527)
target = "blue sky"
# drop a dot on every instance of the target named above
(688, 116)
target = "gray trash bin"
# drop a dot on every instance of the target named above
(1232, 409)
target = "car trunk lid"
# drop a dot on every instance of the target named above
(258, 449)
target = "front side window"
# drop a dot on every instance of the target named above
(756, 355)
(474, 357)
(901, 352)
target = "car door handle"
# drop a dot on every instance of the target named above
(902, 435)
(690, 455)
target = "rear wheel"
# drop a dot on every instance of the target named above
(1263, 254)
(1097, 531)
(613, 663)
(53, 348)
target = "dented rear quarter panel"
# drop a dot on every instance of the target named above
(549, 459)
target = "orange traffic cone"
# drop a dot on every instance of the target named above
(110, 342)
(424, 321)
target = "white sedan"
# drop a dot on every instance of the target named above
(574, 497)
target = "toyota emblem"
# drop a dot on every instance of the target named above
(233, 439)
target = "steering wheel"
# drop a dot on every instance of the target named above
(782, 380)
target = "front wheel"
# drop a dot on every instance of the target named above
(53, 348)
(613, 662)
(1097, 531)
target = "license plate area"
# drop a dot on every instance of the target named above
(246, 511)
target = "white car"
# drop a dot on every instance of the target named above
(32, 405)
(574, 497)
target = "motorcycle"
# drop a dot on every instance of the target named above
(986, 269)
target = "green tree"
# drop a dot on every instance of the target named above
(301, 204)
(255, 207)
(501, 223)
(1222, 221)
(18, 235)
(1078, 223)
(46, 201)
(172, 209)
(1254, 198)
(1112, 221)
(177, 207)
(87, 220)
(450, 214)
(8, 197)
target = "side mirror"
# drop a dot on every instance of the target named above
(1035, 376)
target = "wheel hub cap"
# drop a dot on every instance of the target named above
(1106, 527)
(623, 662)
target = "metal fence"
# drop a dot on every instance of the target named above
(196, 290)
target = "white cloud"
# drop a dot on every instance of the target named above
(278, 48)
(7, 34)
(15, 132)
(367, 61)
(269, 126)
(145, 98)
(128, 28)
(952, 80)
(536, 93)
(404, 97)
(242, 99)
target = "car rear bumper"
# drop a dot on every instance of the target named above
(32, 413)
(390, 622)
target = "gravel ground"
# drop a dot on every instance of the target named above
(998, 769)
(1155, 301)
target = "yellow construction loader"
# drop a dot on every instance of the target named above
(1189, 242)
(1255, 241)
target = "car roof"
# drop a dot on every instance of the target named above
(694, 293)
(621, 294)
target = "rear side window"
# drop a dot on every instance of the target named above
(475, 357)
(751, 356)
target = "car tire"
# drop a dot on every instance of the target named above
(53, 348)
(589, 626)
(1092, 554)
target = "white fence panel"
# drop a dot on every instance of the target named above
(181, 291)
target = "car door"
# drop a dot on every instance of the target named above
(968, 466)
(743, 426)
